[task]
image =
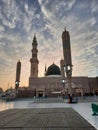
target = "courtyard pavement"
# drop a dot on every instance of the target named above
(83, 107)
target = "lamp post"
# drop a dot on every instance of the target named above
(63, 81)
(17, 85)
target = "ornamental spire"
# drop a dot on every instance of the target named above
(45, 70)
(34, 40)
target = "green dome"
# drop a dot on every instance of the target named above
(53, 70)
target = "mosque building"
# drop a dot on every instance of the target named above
(54, 83)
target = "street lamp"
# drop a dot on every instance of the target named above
(63, 81)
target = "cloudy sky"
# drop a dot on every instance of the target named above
(20, 19)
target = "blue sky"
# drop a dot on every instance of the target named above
(20, 19)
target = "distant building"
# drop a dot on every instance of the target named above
(54, 83)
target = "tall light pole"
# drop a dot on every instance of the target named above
(67, 61)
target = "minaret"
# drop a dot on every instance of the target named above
(67, 60)
(67, 53)
(18, 71)
(34, 60)
(66, 47)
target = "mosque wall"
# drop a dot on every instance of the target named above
(93, 85)
(53, 84)
(82, 82)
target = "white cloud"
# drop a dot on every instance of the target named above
(2, 28)
(43, 8)
(54, 8)
(93, 21)
(94, 6)
(70, 4)
(7, 17)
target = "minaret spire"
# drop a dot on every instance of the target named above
(45, 69)
(34, 60)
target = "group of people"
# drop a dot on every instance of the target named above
(72, 99)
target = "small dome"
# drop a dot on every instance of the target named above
(53, 70)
